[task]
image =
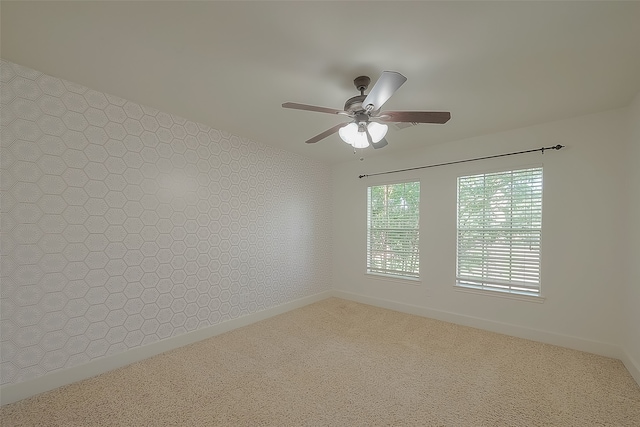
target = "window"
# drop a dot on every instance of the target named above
(499, 229)
(392, 230)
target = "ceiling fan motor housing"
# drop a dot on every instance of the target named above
(354, 105)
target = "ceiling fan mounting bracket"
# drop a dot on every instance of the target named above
(362, 83)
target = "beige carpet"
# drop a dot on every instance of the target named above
(340, 363)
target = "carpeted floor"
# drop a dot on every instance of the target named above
(340, 363)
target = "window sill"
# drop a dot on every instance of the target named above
(391, 278)
(508, 295)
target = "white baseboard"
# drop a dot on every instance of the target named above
(15, 392)
(575, 343)
(632, 365)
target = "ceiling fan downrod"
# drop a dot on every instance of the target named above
(362, 83)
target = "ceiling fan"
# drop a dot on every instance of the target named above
(364, 110)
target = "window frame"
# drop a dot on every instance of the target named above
(483, 287)
(407, 279)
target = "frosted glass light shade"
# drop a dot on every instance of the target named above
(351, 136)
(360, 141)
(377, 131)
(348, 133)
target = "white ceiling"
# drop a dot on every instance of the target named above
(230, 65)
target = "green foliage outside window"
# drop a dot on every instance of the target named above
(393, 236)
(499, 230)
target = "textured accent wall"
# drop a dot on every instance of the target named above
(123, 225)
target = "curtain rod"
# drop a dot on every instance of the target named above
(555, 147)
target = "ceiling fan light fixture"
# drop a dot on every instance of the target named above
(351, 135)
(377, 131)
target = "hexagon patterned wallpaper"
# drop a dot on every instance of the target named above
(123, 225)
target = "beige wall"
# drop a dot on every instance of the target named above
(583, 239)
(632, 295)
(123, 226)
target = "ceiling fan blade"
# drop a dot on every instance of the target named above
(403, 125)
(306, 107)
(325, 134)
(438, 117)
(387, 84)
(383, 142)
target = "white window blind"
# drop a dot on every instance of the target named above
(392, 229)
(499, 230)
